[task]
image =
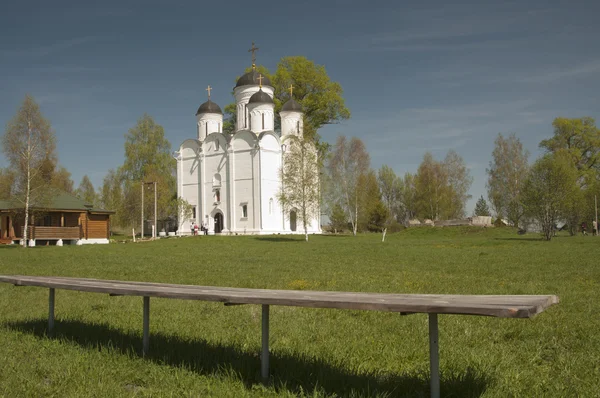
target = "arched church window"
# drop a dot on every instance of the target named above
(244, 210)
(218, 195)
(263, 121)
(216, 145)
(217, 180)
(206, 129)
(298, 127)
(245, 116)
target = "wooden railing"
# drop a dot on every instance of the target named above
(52, 233)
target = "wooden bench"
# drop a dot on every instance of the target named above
(506, 306)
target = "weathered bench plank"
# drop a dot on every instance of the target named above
(498, 306)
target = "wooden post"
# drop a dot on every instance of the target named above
(146, 337)
(155, 232)
(142, 230)
(51, 313)
(264, 371)
(434, 358)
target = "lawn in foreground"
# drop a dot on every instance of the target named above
(206, 349)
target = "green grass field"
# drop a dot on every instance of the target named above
(207, 349)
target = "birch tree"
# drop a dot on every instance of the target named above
(27, 144)
(300, 181)
(506, 176)
(349, 162)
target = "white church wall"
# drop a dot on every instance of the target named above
(188, 180)
(216, 180)
(270, 159)
(244, 188)
(244, 153)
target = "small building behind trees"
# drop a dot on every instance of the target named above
(65, 218)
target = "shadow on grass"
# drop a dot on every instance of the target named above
(9, 246)
(289, 373)
(281, 238)
(523, 239)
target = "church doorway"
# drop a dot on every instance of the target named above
(218, 223)
(293, 221)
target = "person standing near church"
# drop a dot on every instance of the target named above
(594, 228)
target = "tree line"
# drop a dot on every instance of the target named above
(363, 199)
(560, 187)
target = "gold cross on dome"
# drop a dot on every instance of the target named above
(253, 50)
(291, 88)
(260, 79)
(208, 89)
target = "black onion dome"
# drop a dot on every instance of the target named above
(260, 97)
(209, 107)
(251, 79)
(291, 106)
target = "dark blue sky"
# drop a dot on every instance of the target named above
(417, 76)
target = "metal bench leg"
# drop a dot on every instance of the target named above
(146, 338)
(264, 371)
(51, 312)
(434, 357)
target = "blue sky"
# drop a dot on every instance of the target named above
(417, 76)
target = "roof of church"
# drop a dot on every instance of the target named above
(291, 106)
(260, 97)
(251, 79)
(209, 107)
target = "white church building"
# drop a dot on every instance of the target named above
(232, 180)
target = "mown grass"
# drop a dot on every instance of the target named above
(206, 349)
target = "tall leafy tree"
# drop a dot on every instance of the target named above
(459, 183)
(375, 216)
(86, 191)
(321, 98)
(111, 195)
(7, 180)
(506, 176)
(408, 198)
(432, 188)
(27, 143)
(300, 185)
(349, 161)
(549, 191)
(390, 186)
(147, 159)
(61, 180)
(578, 139)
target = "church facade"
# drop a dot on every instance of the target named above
(233, 180)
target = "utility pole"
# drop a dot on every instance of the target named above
(142, 233)
(155, 224)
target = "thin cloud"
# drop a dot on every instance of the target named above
(42, 51)
(589, 68)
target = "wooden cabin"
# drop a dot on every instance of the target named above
(66, 217)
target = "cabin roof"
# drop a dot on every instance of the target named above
(60, 201)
